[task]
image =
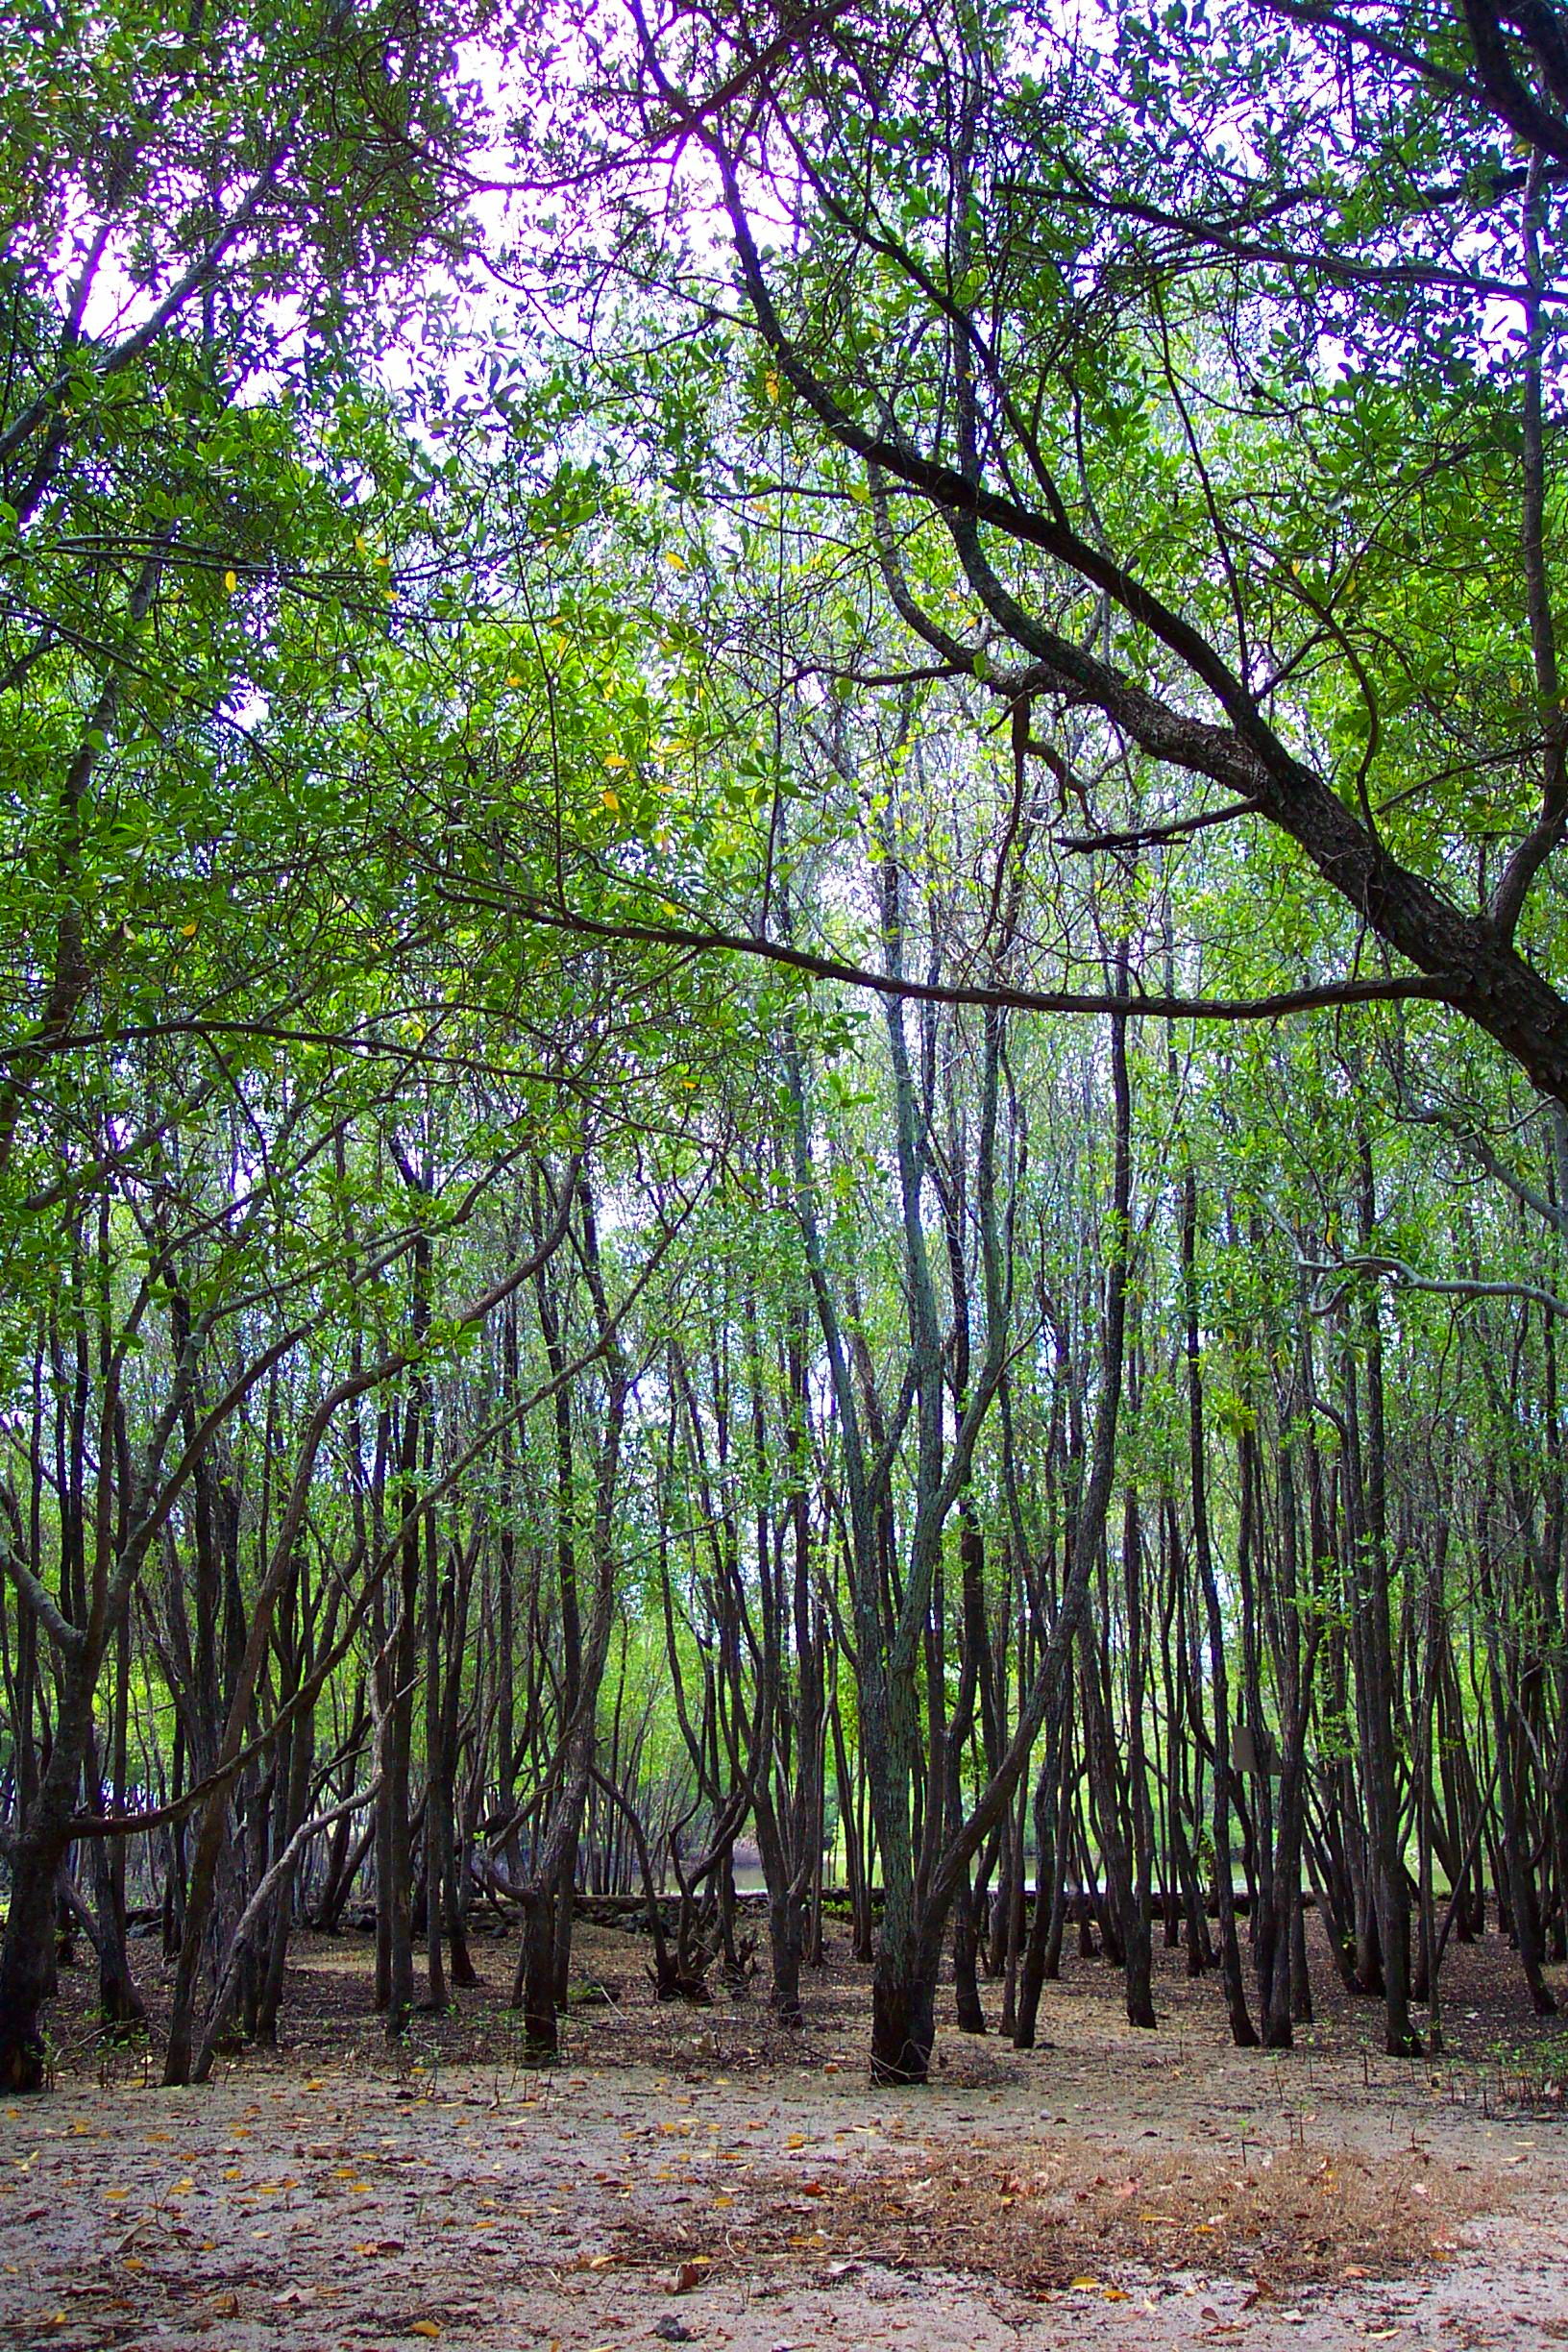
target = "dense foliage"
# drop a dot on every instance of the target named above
(782, 809)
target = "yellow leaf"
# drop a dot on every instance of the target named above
(611, 802)
(230, 582)
(769, 383)
(187, 930)
(514, 678)
(425, 2327)
(795, 2139)
(675, 559)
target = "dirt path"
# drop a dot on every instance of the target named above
(729, 2187)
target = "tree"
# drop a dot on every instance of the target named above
(1031, 305)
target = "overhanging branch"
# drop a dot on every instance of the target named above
(705, 942)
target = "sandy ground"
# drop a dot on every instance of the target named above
(694, 2177)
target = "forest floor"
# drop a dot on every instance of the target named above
(698, 2177)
